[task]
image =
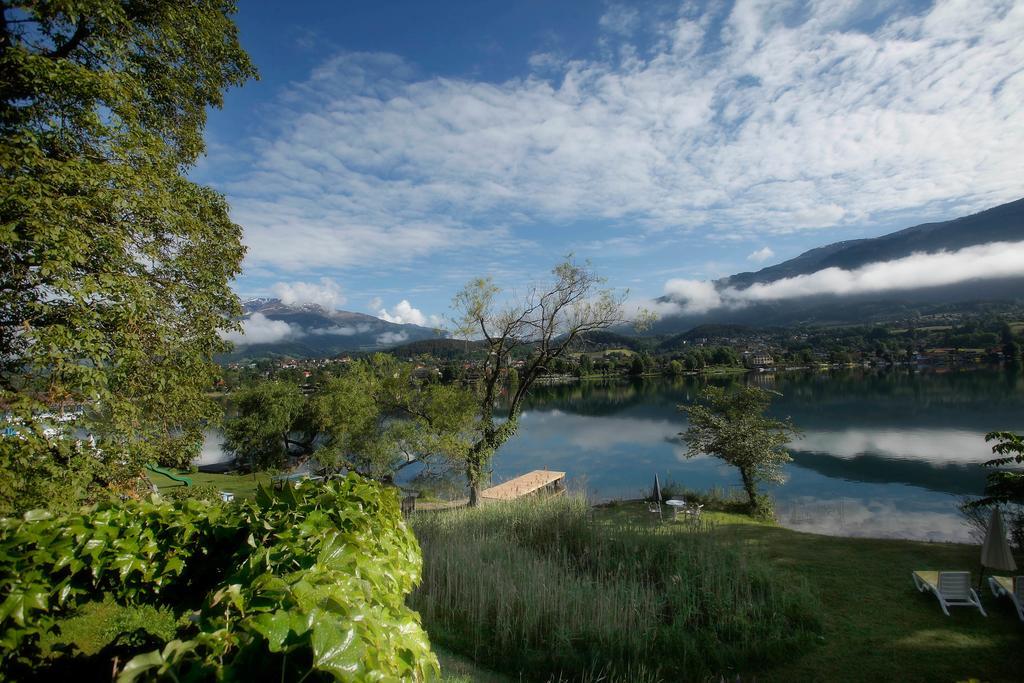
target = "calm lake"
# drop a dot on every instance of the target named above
(884, 454)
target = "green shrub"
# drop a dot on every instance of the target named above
(713, 499)
(717, 500)
(537, 587)
(309, 581)
(763, 507)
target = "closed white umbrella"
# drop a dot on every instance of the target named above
(995, 551)
(657, 489)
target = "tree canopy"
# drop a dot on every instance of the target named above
(732, 426)
(115, 265)
(377, 419)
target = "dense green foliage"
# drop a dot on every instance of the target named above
(115, 265)
(537, 587)
(376, 418)
(1004, 486)
(731, 425)
(266, 417)
(312, 579)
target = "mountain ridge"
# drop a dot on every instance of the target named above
(1003, 223)
(316, 332)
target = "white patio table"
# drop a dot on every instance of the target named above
(677, 505)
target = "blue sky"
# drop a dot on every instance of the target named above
(391, 151)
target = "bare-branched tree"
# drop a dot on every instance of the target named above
(539, 326)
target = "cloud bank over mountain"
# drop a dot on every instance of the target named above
(325, 293)
(981, 262)
(403, 314)
(306, 330)
(259, 329)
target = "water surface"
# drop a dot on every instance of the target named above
(883, 453)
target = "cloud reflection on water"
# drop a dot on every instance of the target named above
(616, 456)
(932, 445)
(872, 518)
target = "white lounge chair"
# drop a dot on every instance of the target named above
(1011, 587)
(655, 506)
(953, 589)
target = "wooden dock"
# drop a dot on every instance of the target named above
(538, 481)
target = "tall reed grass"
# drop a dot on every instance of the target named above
(539, 587)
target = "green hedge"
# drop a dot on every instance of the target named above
(309, 581)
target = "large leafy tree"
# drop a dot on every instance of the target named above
(732, 426)
(543, 324)
(376, 419)
(115, 266)
(379, 418)
(272, 421)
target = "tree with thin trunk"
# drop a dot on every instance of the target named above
(537, 327)
(732, 426)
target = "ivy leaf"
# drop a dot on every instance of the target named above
(175, 565)
(335, 648)
(274, 626)
(139, 665)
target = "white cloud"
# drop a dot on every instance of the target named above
(259, 329)
(620, 19)
(389, 338)
(980, 262)
(546, 61)
(873, 518)
(598, 435)
(761, 255)
(325, 293)
(634, 309)
(693, 296)
(376, 303)
(405, 314)
(342, 330)
(764, 122)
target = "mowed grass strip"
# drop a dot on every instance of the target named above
(877, 626)
(242, 485)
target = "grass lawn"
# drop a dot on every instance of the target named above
(242, 485)
(457, 669)
(542, 589)
(723, 370)
(877, 626)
